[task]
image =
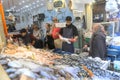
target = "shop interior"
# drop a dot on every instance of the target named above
(60, 40)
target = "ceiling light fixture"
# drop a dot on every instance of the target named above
(23, 1)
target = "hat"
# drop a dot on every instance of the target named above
(23, 31)
(68, 18)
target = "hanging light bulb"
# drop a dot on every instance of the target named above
(23, 1)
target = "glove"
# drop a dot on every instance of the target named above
(72, 40)
(65, 39)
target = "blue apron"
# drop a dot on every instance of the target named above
(68, 33)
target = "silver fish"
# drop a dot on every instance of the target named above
(12, 76)
(2, 62)
(11, 70)
(15, 64)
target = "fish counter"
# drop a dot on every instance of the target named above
(44, 65)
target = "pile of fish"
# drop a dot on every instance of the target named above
(70, 67)
(38, 55)
(93, 64)
(36, 64)
(16, 67)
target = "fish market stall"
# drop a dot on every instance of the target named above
(45, 65)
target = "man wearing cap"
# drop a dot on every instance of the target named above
(69, 35)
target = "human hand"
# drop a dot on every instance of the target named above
(33, 42)
(72, 40)
(85, 46)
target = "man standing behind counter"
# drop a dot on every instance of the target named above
(69, 35)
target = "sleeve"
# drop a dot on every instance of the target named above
(39, 35)
(101, 46)
(17, 36)
(27, 41)
(75, 32)
(61, 31)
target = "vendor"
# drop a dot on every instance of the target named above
(49, 41)
(69, 32)
(37, 42)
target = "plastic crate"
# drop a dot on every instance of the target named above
(113, 51)
(114, 47)
(118, 59)
(113, 54)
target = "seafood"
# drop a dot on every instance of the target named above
(3, 62)
(15, 64)
(41, 56)
(44, 65)
(29, 74)
(11, 70)
(12, 76)
(59, 72)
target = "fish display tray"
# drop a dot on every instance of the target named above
(69, 67)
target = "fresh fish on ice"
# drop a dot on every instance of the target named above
(12, 75)
(10, 70)
(15, 64)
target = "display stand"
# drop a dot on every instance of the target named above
(3, 74)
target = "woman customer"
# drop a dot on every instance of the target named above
(36, 36)
(49, 41)
(98, 42)
(55, 34)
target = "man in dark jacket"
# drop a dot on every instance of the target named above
(70, 33)
(25, 37)
(98, 42)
